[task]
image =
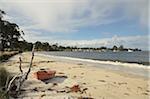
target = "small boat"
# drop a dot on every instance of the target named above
(130, 50)
(44, 74)
(115, 51)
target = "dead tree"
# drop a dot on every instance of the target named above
(17, 81)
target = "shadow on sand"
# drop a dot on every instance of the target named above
(56, 79)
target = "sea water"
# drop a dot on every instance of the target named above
(140, 57)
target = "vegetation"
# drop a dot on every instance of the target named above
(3, 79)
(10, 34)
(5, 55)
(3, 75)
(45, 46)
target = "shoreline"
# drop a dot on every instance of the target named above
(100, 83)
(131, 68)
(144, 63)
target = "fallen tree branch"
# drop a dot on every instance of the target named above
(20, 61)
(11, 81)
(7, 81)
(18, 80)
(30, 62)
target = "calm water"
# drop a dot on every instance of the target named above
(141, 57)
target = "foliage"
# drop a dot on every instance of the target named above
(10, 34)
(3, 78)
(115, 48)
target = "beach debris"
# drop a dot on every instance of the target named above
(102, 80)
(85, 89)
(75, 88)
(147, 90)
(35, 89)
(61, 91)
(61, 73)
(145, 93)
(43, 95)
(50, 61)
(126, 94)
(85, 97)
(74, 76)
(140, 88)
(50, 89)
(44, 74)
(14, 85)
(114, 82)
(123, 83)
(61, 76)
(55, 84)
(82, 73)
(79, 64)
(34, 65)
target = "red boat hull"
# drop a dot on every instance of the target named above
(44, 74)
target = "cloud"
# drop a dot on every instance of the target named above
(138, 9)
(71, 15)
(67, 16)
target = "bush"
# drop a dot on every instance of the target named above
(3, 95)
(3, 78)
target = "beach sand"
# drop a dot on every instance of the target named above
(97, 83)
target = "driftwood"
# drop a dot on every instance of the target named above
(14, 85)
(20, 65)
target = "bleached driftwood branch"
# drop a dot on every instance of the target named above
(19, 79)
(10, 82)
(30, 62)
(20, 61)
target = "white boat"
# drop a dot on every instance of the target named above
(115, 51)
(130, 50)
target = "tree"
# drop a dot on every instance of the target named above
(114, 47)
(38, 45)
(45, 46)
(10, 33)
(121, 48)
(25, 46)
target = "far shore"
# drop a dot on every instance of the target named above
(103, 80)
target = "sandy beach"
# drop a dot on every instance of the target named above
(94, 82)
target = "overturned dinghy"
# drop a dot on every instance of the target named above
(44, 74)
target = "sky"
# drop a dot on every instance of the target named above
(82, 23)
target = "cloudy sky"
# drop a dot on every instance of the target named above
(91, 23)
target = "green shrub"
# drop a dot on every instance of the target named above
(3, 78)
(3, 95)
